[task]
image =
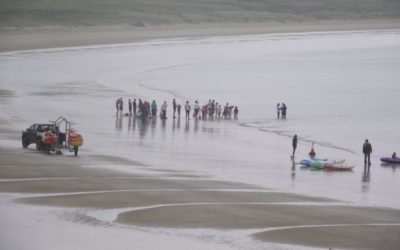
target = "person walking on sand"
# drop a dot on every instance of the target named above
(294, 144)
(134, 105)
(278, 109)
(187, 110)
(367, 150)
(174, 107)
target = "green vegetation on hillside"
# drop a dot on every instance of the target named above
(153, 12)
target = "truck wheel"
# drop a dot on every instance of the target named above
(24, 143)
(76, 151)
(38, 144)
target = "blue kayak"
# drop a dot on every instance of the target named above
(390, 160)
(309, 162)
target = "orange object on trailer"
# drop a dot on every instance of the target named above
(75, 139)
(49, 138)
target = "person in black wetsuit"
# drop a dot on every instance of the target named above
(294, 144)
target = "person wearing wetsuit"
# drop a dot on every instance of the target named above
(294, 144)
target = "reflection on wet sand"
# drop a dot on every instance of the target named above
(293, 173)
(196, 125)
(143, 126)
(187, 129)
(366, 177)
(393, 166)
(118, 121)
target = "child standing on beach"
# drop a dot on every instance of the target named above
(235, 113)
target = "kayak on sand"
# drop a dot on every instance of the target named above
(338, 167)
(309, 162)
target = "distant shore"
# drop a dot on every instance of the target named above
(28, 38)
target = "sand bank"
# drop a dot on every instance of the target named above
(12, 39)
(162, 201)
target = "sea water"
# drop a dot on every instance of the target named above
(340, 89)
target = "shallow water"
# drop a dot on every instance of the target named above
(340, 88)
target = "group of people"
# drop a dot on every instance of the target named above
(211, 110)
(139, 108)
(281, 110)
(214, 110)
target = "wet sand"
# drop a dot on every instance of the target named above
(13, 39)
(179, 199)
(165, 201)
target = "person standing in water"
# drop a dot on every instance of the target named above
(164, 110)
(196, 108)
(187, 109)
(235, 113)
(121, 105)
(294, 144)
(154, 109)
(367, 150)
(117, 105)
(130, 107)
(174, 107)
(134, 105)
(283, 110)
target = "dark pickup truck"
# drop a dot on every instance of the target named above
(33, 134)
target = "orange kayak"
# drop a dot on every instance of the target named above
(75, 139)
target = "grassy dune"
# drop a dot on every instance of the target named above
(34, 13)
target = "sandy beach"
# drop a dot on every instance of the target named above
(161, 201)
(92, 192)
(13, 39)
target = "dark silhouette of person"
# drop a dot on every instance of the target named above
(367, 150)
(294, 144)
(174, 107)
(283, 110)
(134, 105)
